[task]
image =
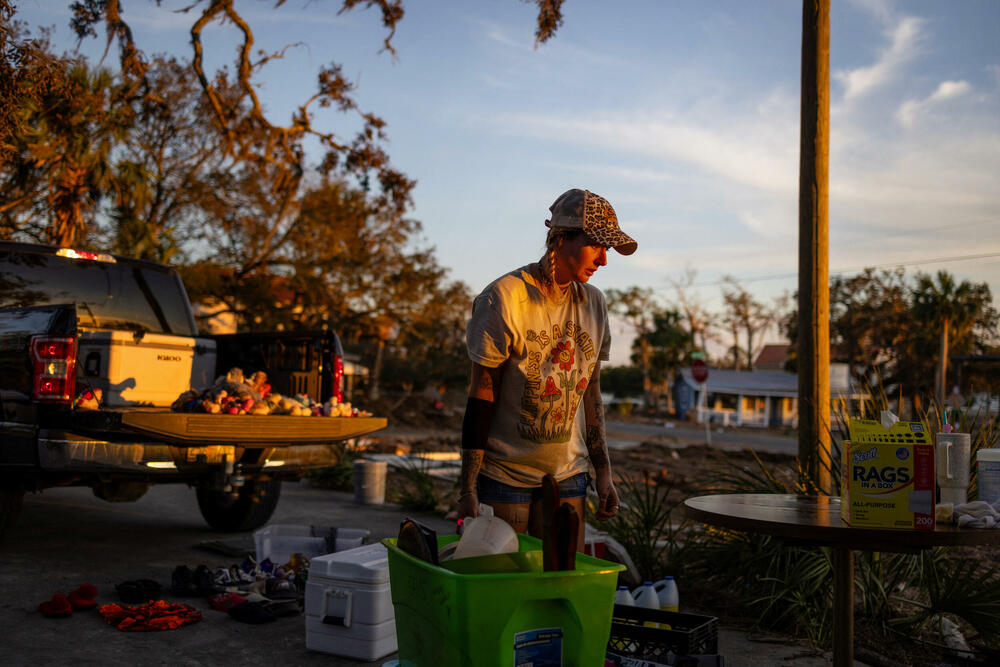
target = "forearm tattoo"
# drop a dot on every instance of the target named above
(596, 439)
(472, 461)
(597, 447)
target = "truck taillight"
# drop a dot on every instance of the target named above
(54, 360)
(338, 378)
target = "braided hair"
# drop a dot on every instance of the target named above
(554, 239)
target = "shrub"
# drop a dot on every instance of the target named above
(416, 491)
(645, 528)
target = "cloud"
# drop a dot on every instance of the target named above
(496, 82)
(909, 110)
(880, 9)
(994, 71)
(949, 89)
(758, 152)
(905, 42)
(617, 172)
(498, 35)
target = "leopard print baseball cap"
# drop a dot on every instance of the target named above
(582, 209)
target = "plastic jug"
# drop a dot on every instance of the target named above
(666, 589)
(646, 596)
(486, 536)
(622, 596)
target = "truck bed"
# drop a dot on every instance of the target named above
(199, 429)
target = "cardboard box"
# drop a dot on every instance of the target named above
(887, 476)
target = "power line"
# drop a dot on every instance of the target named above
(837, 272)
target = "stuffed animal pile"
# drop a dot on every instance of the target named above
(235, 394)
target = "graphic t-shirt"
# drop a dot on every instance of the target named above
(549, 349)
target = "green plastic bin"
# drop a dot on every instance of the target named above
(501, 611)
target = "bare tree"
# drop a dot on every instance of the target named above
(636, 306)
(745, 315)
(699, 319)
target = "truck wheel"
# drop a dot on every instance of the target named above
(247, 509)
(11, 499)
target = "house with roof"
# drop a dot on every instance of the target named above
(772, 357)
(757, 397)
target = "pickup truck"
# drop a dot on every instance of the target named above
(77, 323)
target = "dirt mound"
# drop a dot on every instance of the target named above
(417, 411)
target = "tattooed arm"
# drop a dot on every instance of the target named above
(597, 447)
(483, 392)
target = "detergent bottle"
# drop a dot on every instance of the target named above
(646, 596)
(666, 589)
(622, 596)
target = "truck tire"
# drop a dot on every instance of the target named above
(248, 508)
(11, 499)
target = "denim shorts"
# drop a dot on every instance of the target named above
(491, 491)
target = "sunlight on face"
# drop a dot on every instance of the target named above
(579, 259)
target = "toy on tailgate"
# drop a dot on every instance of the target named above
(888, 475)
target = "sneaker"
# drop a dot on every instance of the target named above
(182, 582)
(239, 577)
(205, 582)
(250, 566)
(222, 577)
(138, 591)
(225, 601)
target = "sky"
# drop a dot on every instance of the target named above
(683, 114)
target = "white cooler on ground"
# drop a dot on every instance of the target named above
(348, 604)
(280, 541)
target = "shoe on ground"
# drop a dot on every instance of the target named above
(84, 597)
(182, 583)
(58, 607)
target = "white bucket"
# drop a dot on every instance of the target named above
(988, 461)
(369, 482)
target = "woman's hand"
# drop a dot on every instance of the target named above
(607, 495)
(468, 505)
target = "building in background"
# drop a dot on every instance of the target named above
(764, 398)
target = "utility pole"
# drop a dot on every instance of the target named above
(814, 294)
(814, 286)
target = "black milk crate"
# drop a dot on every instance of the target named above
(689, 634)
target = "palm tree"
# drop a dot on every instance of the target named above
(62, 162)
(949, 307)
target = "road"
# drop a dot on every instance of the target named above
(626, 434)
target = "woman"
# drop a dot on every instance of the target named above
(536, 339)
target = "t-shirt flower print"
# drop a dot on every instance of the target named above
(548, 350)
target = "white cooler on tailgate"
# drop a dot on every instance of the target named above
(150, 370)
(348, 604)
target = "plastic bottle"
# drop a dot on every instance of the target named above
(669, 599)
(645, 596)
(622, 596)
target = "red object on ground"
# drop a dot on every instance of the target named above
(154, 615)
(83, 597)
(57, 607)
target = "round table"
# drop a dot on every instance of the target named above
(815, 521)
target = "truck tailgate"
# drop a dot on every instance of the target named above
(184, 428)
